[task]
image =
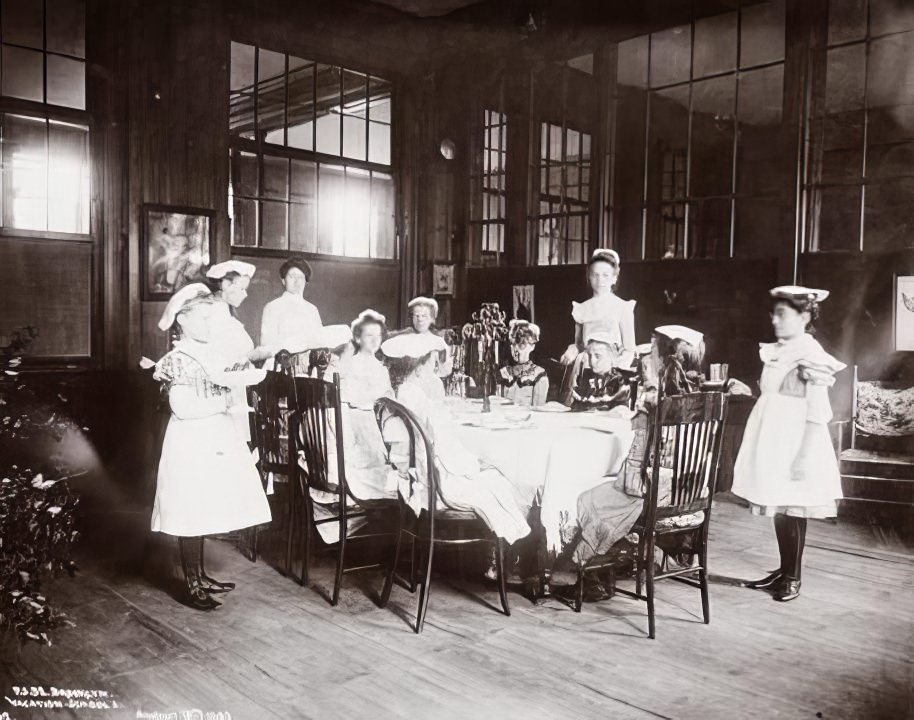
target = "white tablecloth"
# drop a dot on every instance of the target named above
(552, 461)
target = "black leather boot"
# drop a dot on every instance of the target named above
(766, 582)
(197, 597)
(789, 588)
(211, 585)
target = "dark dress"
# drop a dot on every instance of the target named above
(599, 392)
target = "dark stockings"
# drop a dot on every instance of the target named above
(791, 535)
(211, 584)
(191, 551)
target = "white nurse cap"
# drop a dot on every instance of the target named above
(220, 270)
(186, 296)
(681, 332)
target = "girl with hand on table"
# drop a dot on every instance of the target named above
(368, 379)
(523, 382)
(465, 483)
(786, 465)
(207, 481)
(605, 312)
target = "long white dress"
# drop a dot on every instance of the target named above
(207, 481)
(786, 463)
(465, 484)
(229, 339)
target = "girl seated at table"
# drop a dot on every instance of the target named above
(523, 382)
(465, 483)
(367, 378)
(368, 473)
(605, 312)
(599, 385)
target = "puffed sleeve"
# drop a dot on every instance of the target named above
(578, 312)
(818, 407)
(540, 391)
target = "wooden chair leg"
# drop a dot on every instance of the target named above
(291, 529)
(307, 527)
(340, 559)
(649, 583)
(500, 571)
(425, 586)
(253, 545)
(394, 560)
(412, 563)
(703, 580)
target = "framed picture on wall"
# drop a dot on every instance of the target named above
(903, 313)
(523, 302)
(175, 249)
(443, 279)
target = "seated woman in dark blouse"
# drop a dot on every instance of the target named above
(600, 385)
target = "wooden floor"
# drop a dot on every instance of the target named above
(844, 649)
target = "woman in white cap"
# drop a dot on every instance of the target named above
(368, 379)
(464, 482)
(523, 382)
(290, 322)
(598, 385)
(207, 481)
(606, 313)
(423, 311)
(786, 467)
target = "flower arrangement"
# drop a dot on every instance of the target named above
(38, 509)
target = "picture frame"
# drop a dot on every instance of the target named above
(443, 279)
(176, 247)
(903, 313)
(523, 302)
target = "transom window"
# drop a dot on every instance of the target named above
(311, 164)
(488, 202)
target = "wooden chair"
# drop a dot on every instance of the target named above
(878, 466)
(684, 445)
(273, 401)
(316, 428)
(421, 530)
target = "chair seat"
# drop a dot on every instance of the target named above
(876, 456)
(680, 522)
(450, 514)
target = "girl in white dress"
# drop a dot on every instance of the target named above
(228, 338)
(605, 312)
(465, 484)
(207, 481)
(368, 379)
(423, 312)
(786, 465)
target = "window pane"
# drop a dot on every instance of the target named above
(244, 174)
(627, 228)
(888, 216)
(846, 20)
(22, 22)
(303, 211)
(762, 163)
(273, 232)
(67, 27)
(379, 143)
(66, 82)
(668, 144)
(68, 178)
(241, 77)
(358, 212)
(761, 225)
(671, 55)
(666, 231)
(354, 93)
(888, 16)
(301, 105)
(328, 109)
(244, 222)
(838, 219)
(715, 44)
(762, 33)
(379, 93)
(709, 228)
(275, 178)
(889, 77)
(25, 166)
(845, 78)
(354, 137)
(23, 73)
(631, 68)
(713, 112)
(574, 253)
(271, 96)
(331, 210)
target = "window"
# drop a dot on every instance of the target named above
(488, 186)
(861, 177)
(563, 220)
(311, 166)
(699, 169)
(44, 154)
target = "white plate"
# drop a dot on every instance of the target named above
(551, 407)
